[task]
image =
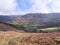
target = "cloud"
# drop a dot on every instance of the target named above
(38, 6)
(45, 6)
(7, 6)
(56, 6)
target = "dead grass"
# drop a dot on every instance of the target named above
(15, 38)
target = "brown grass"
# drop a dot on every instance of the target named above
(15, 38)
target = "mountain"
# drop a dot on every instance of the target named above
(8, 18)
(39, 18)
(33, 18)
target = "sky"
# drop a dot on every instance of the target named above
(19, 7)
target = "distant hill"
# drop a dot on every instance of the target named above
(8, 18)
(39, 18)
(24, 22)
(33, 18)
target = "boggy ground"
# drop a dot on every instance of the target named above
(15, 38)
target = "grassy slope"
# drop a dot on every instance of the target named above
(15, 38)
(51, 28)
(27, 27)
(31, 27)
(4, 27)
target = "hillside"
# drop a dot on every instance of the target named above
(14, 38)
(33, 22)
(4, 27)
(33, 18)
(38, 18)
(4, 18)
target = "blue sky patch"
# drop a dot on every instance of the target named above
(24, 5)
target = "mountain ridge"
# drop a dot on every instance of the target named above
(32, 18)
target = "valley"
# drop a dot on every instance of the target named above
(30, 29)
